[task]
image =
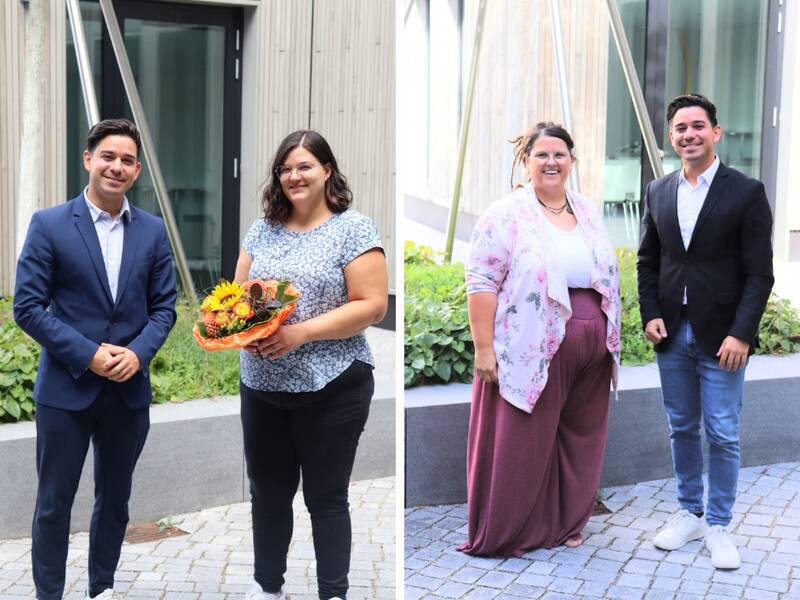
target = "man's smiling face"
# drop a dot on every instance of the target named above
(693, 136)
(113, 166)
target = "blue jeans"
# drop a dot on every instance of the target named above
(694, 385)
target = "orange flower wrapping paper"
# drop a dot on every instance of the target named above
(239, 340)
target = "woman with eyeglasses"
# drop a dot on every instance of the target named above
(544, 309)
(306, 389)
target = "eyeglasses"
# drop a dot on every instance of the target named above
(284, 172)
(558, 157)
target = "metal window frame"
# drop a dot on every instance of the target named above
(770, 122)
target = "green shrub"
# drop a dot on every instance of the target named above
(779, 330)
(180, 371)
(438, 344)
(19, 358)
(414, 254)
(636, 349)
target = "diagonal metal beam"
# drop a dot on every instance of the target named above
(121, 54)
(84, 65)
(464, 136)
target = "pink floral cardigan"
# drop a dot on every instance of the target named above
(509, 257)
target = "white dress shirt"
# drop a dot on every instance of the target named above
(690, 202)
(111, 235)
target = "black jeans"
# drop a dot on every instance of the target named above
(315, 433)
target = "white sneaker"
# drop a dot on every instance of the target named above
(724, 554)
(682, 528)
(105, 595)
(256, 592)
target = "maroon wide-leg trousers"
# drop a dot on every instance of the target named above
(532, 478)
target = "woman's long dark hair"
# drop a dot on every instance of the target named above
(523, 143)
(338, 196)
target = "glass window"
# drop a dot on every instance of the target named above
(717, 48)
(623, 164)
(179, 70)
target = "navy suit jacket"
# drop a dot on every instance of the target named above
(63, 301)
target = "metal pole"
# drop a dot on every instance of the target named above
(125, 70)
(407, 10)
(637, 97)
(84, 66)
(462, 145)
(563, 85)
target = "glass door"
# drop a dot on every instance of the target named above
(718, 48)
(186, 62)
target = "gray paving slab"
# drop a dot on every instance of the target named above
(618, 559)
(215, 559)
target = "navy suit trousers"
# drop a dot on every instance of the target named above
(118, 435)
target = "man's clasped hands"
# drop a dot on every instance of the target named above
(115, 362)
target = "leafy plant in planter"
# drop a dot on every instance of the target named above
(19, 359)
(636, 349)
(779, 330)
(181, 370)
(438, 343)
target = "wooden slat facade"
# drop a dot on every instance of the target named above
(344, 87)
(517, 86)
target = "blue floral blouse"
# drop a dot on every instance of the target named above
(314, 261)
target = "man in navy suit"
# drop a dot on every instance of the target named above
(95, 288)
(705, 274)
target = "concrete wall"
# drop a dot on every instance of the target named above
(193, 459)
(437, 419)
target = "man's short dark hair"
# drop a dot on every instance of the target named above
(685, 100)
(108, 127)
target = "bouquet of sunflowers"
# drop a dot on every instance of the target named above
(234, 315)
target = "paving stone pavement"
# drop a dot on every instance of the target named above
(215, 561)
(617, 559)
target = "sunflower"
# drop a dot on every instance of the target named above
(227, 294)
(211, 304)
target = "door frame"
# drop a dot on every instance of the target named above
(114, 97)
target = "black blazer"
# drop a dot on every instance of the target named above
(727, 269)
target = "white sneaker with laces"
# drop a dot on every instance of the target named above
(681, 529)
(724, 554)
(256, 592)
(105, 595)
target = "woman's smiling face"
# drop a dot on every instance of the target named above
(549, 163)
(302, 176)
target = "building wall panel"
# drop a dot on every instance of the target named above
(517, 86)
(275, 92)
(52, 141)
(12, 26)
(352, 102)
